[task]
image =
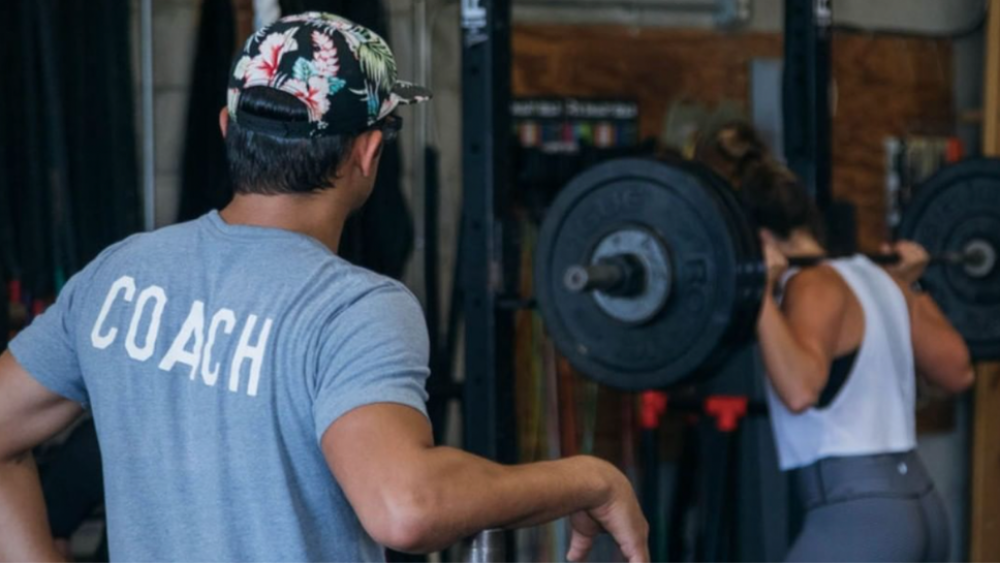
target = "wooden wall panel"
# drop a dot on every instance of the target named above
(655, 67)
(985, 497)
(884, 86)
(985, 494)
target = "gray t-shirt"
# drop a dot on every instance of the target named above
(214, 357)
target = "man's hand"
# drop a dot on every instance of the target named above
(913, 260)
(620, 516)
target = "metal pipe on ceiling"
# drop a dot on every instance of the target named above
(701, 6)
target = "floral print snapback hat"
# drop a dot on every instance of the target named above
(344, 73)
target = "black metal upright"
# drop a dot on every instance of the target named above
(485, 156)
(806, 94)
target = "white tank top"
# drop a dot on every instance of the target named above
(874, 410)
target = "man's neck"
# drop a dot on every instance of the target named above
(319, 216)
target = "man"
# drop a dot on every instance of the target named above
(256, 397)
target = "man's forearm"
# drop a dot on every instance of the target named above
(24, 528)
(525, 495)
(464, 493)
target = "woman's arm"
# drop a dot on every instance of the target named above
(940, 354)
(799, 340)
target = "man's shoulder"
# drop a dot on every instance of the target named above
(295, 263)
(366, 287)
(141, 241)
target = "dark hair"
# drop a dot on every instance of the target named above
(773, 196)
(260, 163)
(778, 201)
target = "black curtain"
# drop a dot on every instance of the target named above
(69, 179)
(69, 182)
(205, 181)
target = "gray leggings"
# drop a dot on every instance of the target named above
(870, 508)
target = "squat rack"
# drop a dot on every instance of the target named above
(487, 392)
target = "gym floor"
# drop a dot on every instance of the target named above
(581, 233)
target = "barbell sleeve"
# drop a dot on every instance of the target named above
(621, 275)
(602, 276)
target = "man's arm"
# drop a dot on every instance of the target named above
(412, 496)
(29, 414)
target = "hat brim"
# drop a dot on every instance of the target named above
(410, 93)
(404, 93)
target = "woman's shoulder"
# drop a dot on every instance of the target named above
(821, 281)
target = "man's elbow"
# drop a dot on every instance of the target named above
(10, 452)
(408, 524)
(15, 458)
(407, 535)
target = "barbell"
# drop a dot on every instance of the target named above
(625, 274)
(651, 274)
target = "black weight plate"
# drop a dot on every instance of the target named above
(675, 205)
(740, 330)
(750, 264)
(753, 256)
(959, 204)
(751, 268)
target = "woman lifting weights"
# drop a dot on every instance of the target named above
(843, 343)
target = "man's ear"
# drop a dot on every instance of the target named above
(368, 149)
(224, 121)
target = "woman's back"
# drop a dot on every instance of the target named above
(870, 409)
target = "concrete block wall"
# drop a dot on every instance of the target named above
(444, 127)
(175, 25)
